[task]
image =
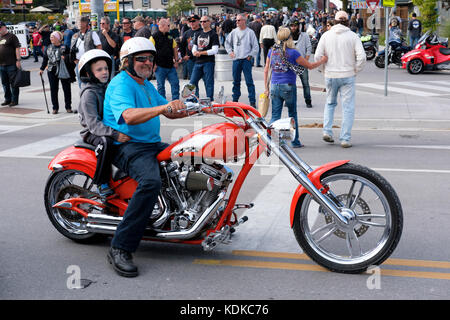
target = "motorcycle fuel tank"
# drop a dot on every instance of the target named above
(222, 141)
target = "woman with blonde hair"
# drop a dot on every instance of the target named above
(286, 63)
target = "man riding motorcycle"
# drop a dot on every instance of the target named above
(133, 106)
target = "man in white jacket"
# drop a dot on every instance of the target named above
(346, 57)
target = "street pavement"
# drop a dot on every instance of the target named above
(404, 136)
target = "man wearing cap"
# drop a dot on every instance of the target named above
(205, 47)
(9, 63)
(346, 57)
(142, 30)
(187, 42)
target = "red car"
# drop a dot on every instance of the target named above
(430, 53)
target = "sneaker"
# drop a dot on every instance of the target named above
(6, 103)
(346, 144)
(308, 105)
(13, 104)
(327, 138)
(104, 190)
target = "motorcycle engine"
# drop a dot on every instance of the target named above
(187, 191)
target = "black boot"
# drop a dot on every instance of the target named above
(122, 262)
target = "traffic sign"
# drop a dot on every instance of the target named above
(372, 4)
(389, 3)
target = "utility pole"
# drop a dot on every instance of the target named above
(96, 13)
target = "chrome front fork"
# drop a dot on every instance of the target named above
(300, 170)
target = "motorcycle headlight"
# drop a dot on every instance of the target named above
(285, 128)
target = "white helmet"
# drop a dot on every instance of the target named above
(87, 58)
(135, 45)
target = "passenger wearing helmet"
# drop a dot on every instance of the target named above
(133, 106)
(94, 67)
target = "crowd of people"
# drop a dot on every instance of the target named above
(119, 108)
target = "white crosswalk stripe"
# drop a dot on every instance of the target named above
(39, 148)
(429, 88)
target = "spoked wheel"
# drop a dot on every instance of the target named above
(374, 229)
(68, 184)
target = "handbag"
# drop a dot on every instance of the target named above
(21, 79)
(63, 72)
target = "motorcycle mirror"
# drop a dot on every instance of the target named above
(188, 90)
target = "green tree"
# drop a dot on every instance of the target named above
(428, 14)
(177, 7)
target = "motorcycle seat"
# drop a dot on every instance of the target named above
(116, 173)
(445, 51)
(82, 144)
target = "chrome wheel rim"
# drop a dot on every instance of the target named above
(415, 66)
(364, 237)
(69, 184)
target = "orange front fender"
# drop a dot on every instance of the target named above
(314, 176)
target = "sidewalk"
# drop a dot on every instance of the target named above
(373, 111)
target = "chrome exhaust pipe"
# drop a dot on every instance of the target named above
(102, 223)
(199, 224)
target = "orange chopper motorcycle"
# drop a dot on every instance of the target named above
(345, 217)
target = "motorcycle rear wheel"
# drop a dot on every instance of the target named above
(368, 241)
(379, 61)
(64, 185)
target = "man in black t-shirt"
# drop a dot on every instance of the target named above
(9, 63)
(186, 45)
(205, 46)
(110, 41)
(166, 60)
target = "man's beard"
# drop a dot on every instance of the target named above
(144, 74)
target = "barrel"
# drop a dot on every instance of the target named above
(223, 67)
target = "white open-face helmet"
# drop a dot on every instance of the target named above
(136, 45)
(84, 65)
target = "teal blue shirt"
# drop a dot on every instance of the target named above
(124, 92)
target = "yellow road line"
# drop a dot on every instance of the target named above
(302, 256)
(310, 267)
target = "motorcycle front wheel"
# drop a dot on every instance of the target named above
(63, 185)
(370, 53)
(415, 66)
(369, 240)
(379, 61)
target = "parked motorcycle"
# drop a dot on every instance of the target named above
(395, 52)
(345, 217)
(370, 44)
(431, 53)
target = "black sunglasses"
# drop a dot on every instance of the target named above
(144, 58)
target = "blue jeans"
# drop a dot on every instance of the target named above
(286, 93)
(206, 71)
(305, 84)
(139, 161)
(7, 74)
(239, 66)
(37, 51)
(161, 75)
(346, 88)
(413, 41)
